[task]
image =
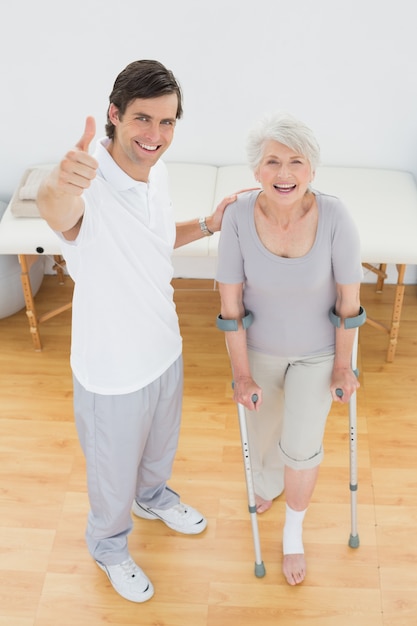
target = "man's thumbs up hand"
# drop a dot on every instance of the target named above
(88, 136)
(78, 168)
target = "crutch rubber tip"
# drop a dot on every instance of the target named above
(354, 541)
(260, 570)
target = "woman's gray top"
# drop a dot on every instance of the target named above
(290, 298)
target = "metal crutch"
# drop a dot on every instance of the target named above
(353, 474)
(259, 564)
(232, 325)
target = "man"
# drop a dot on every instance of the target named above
(114, 216)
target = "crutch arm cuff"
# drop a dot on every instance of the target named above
(350, 322)
(227, 325)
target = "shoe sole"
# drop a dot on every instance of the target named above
(196, 529)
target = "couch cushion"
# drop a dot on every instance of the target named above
(23, 201)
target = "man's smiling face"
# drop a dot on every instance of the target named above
(143, 133)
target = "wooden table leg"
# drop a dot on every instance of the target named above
(382, 274)
(393, 329)
(26, 261)
(396, 313)
(58, 267)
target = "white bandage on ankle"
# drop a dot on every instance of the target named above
(292, 542)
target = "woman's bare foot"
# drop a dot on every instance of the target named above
(294, 568)
(262, 505)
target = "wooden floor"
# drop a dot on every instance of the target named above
(47, 577)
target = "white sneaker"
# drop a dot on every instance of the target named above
(181, 517)
(129, 580)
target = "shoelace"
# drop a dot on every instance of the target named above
(130, 569)
(180, 509)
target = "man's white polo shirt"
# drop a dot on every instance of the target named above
(125, 330)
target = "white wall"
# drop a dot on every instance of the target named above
(345, 68)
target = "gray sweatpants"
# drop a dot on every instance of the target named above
(129, 442)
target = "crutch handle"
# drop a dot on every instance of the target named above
(254, 397)
(339, 392)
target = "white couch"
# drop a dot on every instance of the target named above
(382, 202)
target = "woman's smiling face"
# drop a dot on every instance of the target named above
(283, 173)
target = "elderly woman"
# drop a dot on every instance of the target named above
(288, 255)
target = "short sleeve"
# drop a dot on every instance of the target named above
(346, 248)
(230, 269)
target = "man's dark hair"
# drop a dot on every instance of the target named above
(142, 79)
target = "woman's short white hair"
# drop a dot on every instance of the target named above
(287, 130)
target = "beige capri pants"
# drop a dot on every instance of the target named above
(289, 427)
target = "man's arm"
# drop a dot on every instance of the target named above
(191, 230)
(59, 198)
